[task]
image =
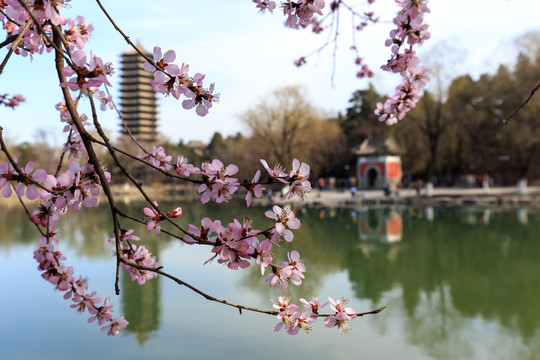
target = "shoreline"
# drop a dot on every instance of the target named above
(495, 196)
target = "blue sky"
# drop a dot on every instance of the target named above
(248, 55)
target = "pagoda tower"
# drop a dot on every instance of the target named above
(138, 98)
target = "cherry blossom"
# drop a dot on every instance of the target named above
(163, 62)
(12, 101)
(409, 30)
(285, 220)
(158, 158)
(104, 99)
(115, 326)
(264, 254)
(286, 318)
(299, 183)
(301, 321)
(254, 189)
(283, 303)
(314, 304)
(265, 5)
(298, 267)
(87, 76)
(139, 256)
(342, 315)
(125, 235)
(184, 168)
(278, 172)
(201, 233)
(78, 33)
(280, 276)
(154, 218)
(218, 183)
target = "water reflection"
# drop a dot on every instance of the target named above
(380, 225)
(445, 271)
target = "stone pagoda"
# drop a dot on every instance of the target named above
(138, 98)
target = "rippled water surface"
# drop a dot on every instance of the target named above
(458, 284)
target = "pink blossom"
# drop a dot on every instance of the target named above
(264, 255)
(102, 313)
(254, 189)
(410, 30)
(314, 304)
(277, 172)
(115, 326)
(78, 33)
(175, 213)
(299, 183)
(195, 233)
(301, 321)
(286, 318)
(154, 218)
(92, 75)
(265, 5)
(104, 99)
(63, 277)
(342, 315)
(285, 220)
(283, 303)
(218, 181)
(139, 255)
(280, 276)
(163, 62)
(12, 101)
(297, 265)
(184, 168)
(125, 235)
(158, 157)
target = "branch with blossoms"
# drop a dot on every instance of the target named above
(410, 31)
(11, 101)
(76, 185)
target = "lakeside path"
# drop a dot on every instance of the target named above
(441, 196)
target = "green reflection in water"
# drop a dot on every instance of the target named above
(142, 304)
(451, 266)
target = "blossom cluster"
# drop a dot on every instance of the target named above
(292, 320)
(74, 188)
(77, 187)
(61, 276)
(47, 13)
(237, 243)
(134, 257)
(86, 75)
(410, 30)
(73, 146)
(299, 13)
(11, 101)
(171, 79)
(217, 181)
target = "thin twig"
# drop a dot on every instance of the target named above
(124, 124)
(15, 45)
(507, 119)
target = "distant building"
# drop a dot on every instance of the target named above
(138, 98)
(378, 163)
(197, 146)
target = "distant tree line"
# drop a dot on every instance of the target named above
(452, 132)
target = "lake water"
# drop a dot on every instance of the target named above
(458, 283)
